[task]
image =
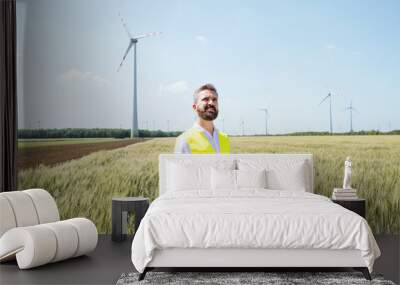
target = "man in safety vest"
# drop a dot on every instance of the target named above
(203, 137)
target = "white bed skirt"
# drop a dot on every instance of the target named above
(193, 257)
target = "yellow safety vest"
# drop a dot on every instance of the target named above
(199, 143)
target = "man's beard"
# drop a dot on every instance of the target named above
(207, 114)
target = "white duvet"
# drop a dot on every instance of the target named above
(250, 219)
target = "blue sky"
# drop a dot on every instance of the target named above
(281, 55)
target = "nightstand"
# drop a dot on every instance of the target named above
(120, 209)
(356, 205)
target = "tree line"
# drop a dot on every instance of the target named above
(361, 133)
(89, 133)
(126, 133)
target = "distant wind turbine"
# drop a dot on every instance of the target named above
(132, 42)
(351, 109)
(330, 110)
(266, 120)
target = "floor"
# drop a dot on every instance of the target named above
(389, 262)
(103, 266)
(111, 259)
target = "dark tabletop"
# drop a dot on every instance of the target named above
(129, 199)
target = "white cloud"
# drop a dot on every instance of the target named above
(77, 75)
(201, 38)
(179, 87)
(330, 46)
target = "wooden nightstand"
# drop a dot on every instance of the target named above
(356, 205)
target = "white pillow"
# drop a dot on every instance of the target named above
(182, 178)
(193, 175)
(223, 179)
(292, 178)
(251, 178)
(282, 174)
(227, 179)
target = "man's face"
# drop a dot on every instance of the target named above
(206, 105)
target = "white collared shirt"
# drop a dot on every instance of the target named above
(182, 146)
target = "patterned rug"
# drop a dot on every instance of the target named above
(228, 278)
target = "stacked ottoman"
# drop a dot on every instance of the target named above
(31, 230)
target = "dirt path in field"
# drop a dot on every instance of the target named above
(50, 155)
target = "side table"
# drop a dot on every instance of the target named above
(356, 205)
(120, 209)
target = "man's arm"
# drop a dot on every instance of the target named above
(181, 145)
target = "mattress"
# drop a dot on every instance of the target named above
(250, 219)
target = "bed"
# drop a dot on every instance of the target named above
(247, 210)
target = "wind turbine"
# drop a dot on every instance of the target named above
(242, 126)
(266, 120)
(133, 40)
(351, 109)
(330, 109)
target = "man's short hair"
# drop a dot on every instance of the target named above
(207, 86)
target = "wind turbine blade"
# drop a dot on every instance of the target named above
(147, 35)
(126, 53)
(125, 26)
(324, 99)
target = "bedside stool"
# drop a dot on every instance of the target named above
(356, 205)
(120, 209)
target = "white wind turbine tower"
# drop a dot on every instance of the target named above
(351, 109)
(330, 110)
(133, 40)
(242, 122)
(266, 120)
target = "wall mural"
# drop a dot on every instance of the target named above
(105, 87)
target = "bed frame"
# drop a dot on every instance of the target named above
(242, 259)
(246, 258)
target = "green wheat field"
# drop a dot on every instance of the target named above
(84, 187)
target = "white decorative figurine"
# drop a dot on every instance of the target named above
(347, 174)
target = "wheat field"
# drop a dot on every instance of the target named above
(84, 187)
